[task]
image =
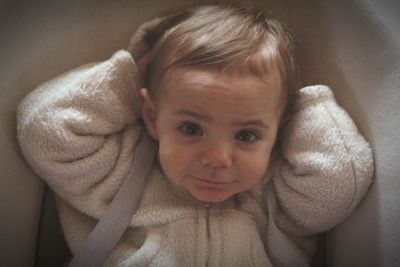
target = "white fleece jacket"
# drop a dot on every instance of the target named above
(79, 131)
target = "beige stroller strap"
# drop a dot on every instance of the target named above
(109, 230)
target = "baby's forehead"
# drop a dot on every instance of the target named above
(207, 85)
(192, 75)
(189, 81)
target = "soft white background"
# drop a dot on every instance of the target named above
(353, 46)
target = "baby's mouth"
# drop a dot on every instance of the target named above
(211, 181)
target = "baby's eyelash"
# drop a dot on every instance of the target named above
(190, 129)
(247, 136)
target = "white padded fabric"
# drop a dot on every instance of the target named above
(352, 46)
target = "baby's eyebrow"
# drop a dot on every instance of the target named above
(252, 122)
(245, 123)
(200, 116)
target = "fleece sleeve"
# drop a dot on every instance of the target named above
(326, 166)
(78, 130)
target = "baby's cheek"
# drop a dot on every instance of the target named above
(255, 167)
(172, 161)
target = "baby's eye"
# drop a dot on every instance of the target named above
(191, 129)
(247, 136)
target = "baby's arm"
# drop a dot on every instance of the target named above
(78, 131)
(327, 166)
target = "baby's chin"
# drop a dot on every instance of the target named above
(210, 195)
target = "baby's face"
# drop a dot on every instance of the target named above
(215, 130)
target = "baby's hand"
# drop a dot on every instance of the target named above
(142, 61)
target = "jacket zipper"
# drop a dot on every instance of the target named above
(208, 206)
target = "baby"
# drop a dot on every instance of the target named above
(249, 169)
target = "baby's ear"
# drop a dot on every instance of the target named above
(149, 112)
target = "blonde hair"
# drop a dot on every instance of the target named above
(228, 38)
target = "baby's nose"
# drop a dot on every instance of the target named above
(217, 156)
